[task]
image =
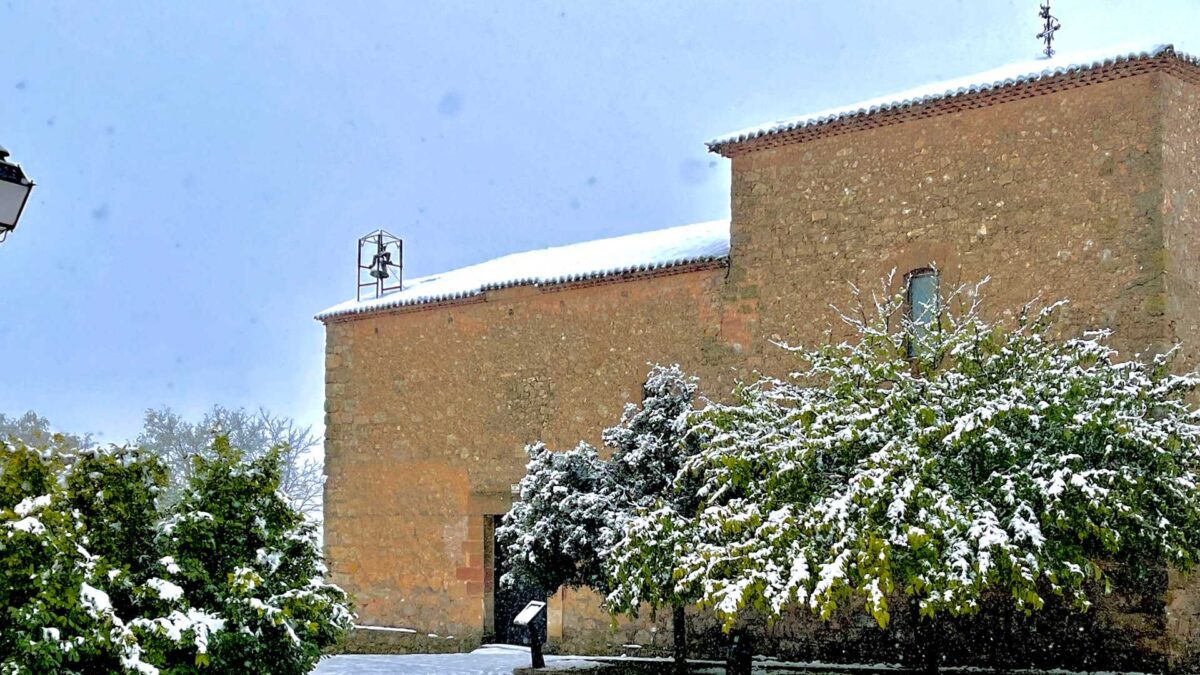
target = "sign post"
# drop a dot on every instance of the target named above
(525, 618)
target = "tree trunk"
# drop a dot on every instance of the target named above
(679, 626)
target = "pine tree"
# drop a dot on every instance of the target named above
(651, 498)
(606, 525)
(555, 534)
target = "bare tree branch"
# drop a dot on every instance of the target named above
(176, 441)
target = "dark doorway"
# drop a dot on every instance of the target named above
(511, 600)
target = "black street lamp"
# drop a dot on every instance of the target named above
(15, 187)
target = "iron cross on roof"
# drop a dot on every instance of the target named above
(1051, 25)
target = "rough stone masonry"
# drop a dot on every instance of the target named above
(1080, 186)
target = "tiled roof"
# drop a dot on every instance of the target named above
(633, 253)
(997, 78)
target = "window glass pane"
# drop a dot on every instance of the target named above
(922, 303)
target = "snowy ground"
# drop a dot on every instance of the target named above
(501, 659)
(487, 660)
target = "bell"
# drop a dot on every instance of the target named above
(380, 264)
(380, 254)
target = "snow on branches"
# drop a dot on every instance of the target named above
(574, 506)
(936, 465)
(555, 534)
(650, 446)
(97, 576)
(607, 525)
(984, 458)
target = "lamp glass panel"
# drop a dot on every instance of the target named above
(12, 196)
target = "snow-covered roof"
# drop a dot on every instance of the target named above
(683, 245)
(1013, 73)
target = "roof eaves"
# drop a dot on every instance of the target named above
(406, 303)
(722, 144)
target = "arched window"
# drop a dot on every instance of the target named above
(921, 296)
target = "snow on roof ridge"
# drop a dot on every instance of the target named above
(1010, 74)
(644, 251)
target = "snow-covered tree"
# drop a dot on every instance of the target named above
(652, 442)
(67, 607)
(555, 534)
(233, 545)
(114, 494)
(177, 440)
(96, 577)
(41, 602)
(650, 499)
(986, 458)
(582, 521)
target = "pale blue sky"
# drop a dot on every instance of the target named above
(204, 168)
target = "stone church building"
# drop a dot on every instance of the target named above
(1071, 178)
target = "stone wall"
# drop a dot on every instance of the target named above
(1056, 196)
(428, 414)
(1180, 210)
(1086, 194)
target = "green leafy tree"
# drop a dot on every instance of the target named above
(70, 608)
(96, 577)
(114, 494)
(992, 459)
(44, 566)
(236, 544)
